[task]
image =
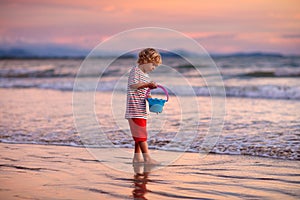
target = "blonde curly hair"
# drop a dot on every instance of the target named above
(149, 55)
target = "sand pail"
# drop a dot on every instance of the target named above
(156, 105)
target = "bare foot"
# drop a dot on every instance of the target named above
(137, 159)
(152, 162)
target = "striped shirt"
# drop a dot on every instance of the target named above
(136, 103)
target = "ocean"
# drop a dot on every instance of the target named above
(262, 104)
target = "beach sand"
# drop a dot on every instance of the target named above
(31, 171)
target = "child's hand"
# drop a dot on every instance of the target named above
(152, 85)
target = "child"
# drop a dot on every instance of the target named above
(136, 113)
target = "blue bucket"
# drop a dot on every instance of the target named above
(156, 105)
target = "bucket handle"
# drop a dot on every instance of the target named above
(159, 86)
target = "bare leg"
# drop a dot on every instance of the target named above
(145, 151)
(137, 158)
(140, 147)
(137, 148)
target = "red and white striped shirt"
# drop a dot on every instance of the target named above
(136, 102)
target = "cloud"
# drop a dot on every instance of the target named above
(234, 23)
(291, 36)
(211, 35)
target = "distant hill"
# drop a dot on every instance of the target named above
(59, 51)
(250, 54)
(47, 51)
(68, 52)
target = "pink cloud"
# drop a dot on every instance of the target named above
(231, 26)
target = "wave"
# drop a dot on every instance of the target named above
(273, 73)
(63, 84)
(32, 72)
(279, 152)
(261, 91)
(50, 70)
(231, 71)
(265, 91)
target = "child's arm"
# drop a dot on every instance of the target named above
(150, 85)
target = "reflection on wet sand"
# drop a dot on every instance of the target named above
(72, 173)
(140, 179)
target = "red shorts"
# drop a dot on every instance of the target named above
(138, 129)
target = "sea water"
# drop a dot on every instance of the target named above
(262, 104)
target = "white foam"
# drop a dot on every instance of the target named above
(265, 91)
(259, 91)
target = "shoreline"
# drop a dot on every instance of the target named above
(192, 152)
(64, 172)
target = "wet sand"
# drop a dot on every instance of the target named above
(62, 172)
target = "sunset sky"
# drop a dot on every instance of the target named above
(220, 26)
